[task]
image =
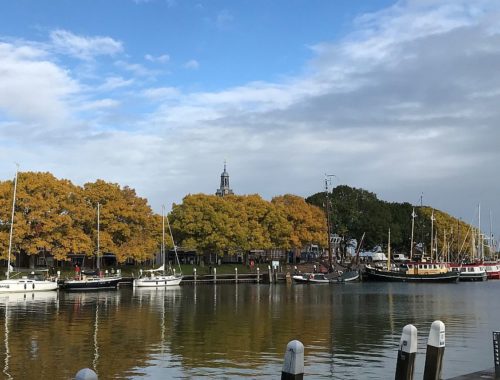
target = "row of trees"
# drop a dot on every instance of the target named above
(56, 217)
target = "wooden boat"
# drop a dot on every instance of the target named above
(34, 282)
(470, 272)
(492, 270)
(413, 272)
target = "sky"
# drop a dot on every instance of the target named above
(401, 98)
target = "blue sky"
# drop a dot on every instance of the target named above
(396, 97)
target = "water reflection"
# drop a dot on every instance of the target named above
(349, 331)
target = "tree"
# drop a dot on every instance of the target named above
(308, 222)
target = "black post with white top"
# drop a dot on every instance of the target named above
(435, 352)
(406, 353)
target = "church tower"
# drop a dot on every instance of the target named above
(224, 184)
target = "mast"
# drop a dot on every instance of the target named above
(98, 235)
(432, 233)
(328, 222)
(12, 221)
(479, 242)
(163, 237)
(175, 247)
(413, 215)
(389, 251)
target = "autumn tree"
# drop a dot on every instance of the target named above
(308, 222)
(128, 227)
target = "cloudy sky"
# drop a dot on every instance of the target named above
(401, 98)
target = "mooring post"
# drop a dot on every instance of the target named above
(496, 353)
(236, 275)
(258, 275)
(293, 366)
(435, 352)
(406, 354)
(86, 374)
(194, 272)
(215, 275)
(270, 274)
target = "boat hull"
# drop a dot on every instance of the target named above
(375, 274)
(91, 284)
(473, 276)
(157, 282)
(26, 285)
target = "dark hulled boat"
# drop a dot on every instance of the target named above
(90, 282)
(413, 272)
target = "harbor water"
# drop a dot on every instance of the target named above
(233, 331)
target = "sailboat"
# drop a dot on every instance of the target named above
(159, 277)
(95, 280)
(33, 282)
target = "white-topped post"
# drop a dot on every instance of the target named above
(86, 374)
(435, 352)
(293, 366)
(236, 275)
(406, 353)
(258, 275)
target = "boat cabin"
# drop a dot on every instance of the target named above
(426, 268)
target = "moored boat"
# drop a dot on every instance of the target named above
(492, 270)
(34, 282)
(91, 282)
(413, 272)
(470, 272)
(311, 278)
(94, 280)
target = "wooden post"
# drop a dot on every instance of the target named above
(496, 353)
(435, 352)
(194, 272)
(86, 374)
(270, 274)
(406, 353)
(236, 275)
(293, 366)
(215, 275)
(258, 275)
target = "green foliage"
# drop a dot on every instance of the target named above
(357, 211)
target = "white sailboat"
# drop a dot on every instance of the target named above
(33, 282)
(155, 278)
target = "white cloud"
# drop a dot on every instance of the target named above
(99, 104)
(84, 47)
(164, 58)
(112, 83)
(134, 68)
(33, 89)
(192, 64)
(161, 93)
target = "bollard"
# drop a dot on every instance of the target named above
(215, 275)
(293, 367)
(236, 275)
(406, 354)
(435, 352)
(86, 374)
(496, 353)
(258, 275)
(270, 274)
(194, 271)
(58, 274)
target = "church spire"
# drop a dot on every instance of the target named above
(224, 188)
